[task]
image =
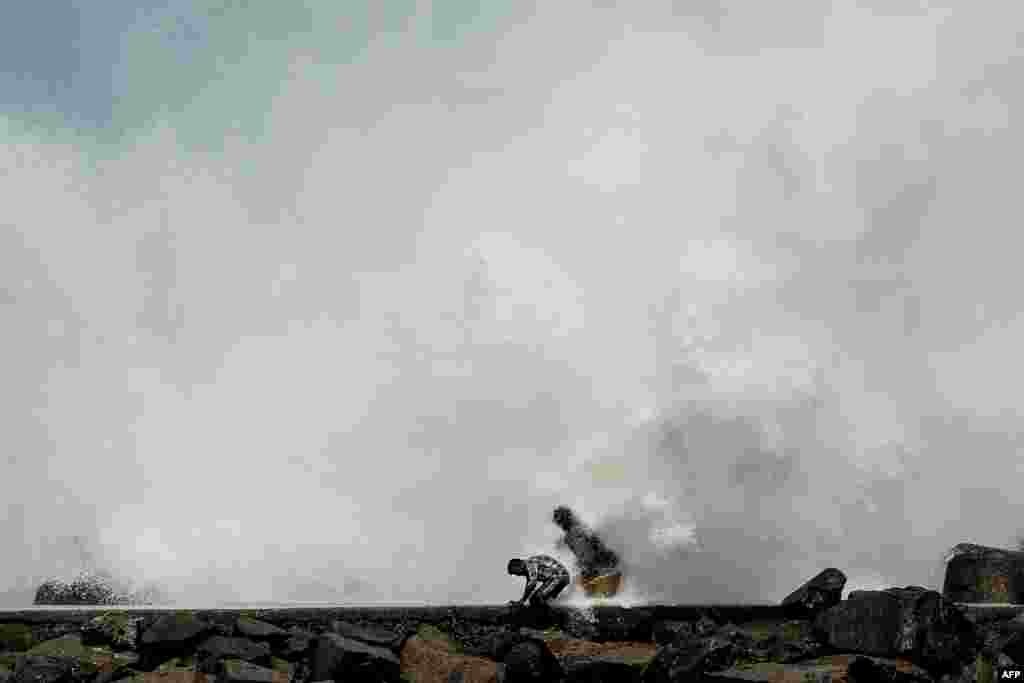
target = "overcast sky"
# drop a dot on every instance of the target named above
(317, 300)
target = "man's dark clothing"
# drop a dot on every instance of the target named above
(546, 577)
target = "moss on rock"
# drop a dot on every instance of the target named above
(89, 660)
(437, 638)
(16, 637)
(8, 661)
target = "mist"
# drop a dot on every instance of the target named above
(337, 305)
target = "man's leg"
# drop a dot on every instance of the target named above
(549, 591)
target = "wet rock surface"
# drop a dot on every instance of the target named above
(901, 634)
(981, 574)
(818, 594)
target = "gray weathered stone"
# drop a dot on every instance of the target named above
(371, 635)
(240, 671)
(258, 630)
(981, 574)
(817, 594)
(175, 628)
(219, 647)
(43, 669)
(337, 657)
(689, 659)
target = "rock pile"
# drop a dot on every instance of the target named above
(903, 634)
(899, 634)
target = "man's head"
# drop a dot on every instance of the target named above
(517, 567)
(564, 517)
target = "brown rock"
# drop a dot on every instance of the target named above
(426, 660)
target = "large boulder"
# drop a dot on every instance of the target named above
(240, 671)
(430, 656)
(784, 642)
(297, 645)
(217, 648)
(170, 635)
(832, 668)
(116, 629)
(817, 594)
(689, 659)
(247, 627)
(371, 635)
(530, 661)
(173, 629)
(980, 574)
(585, 661)
(42, 669)
(55, 659)
(343, 659)
(668, 630)
(15, 637)
(911, 622)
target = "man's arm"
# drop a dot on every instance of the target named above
(531, 586)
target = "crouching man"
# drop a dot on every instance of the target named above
(546, 577)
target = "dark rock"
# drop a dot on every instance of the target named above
(259, 630)
(980, 574)
(16, 637)
(115, 629)
(82, 660)
(498, 644)
(175, 628)
(344, 659)
(830, 668)
(599, 670)
(689, 659)
(219, 647)
(534, 616)
(239, 671)
(913, 622)
(865, 670)
(818, 594)
(666, 631)
(43, 669)
(169, 635)
(621, 623)
(371, 635)
(582, 623)
(586, 662)
(297, 645)
(1012, 646)
(529, 661)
